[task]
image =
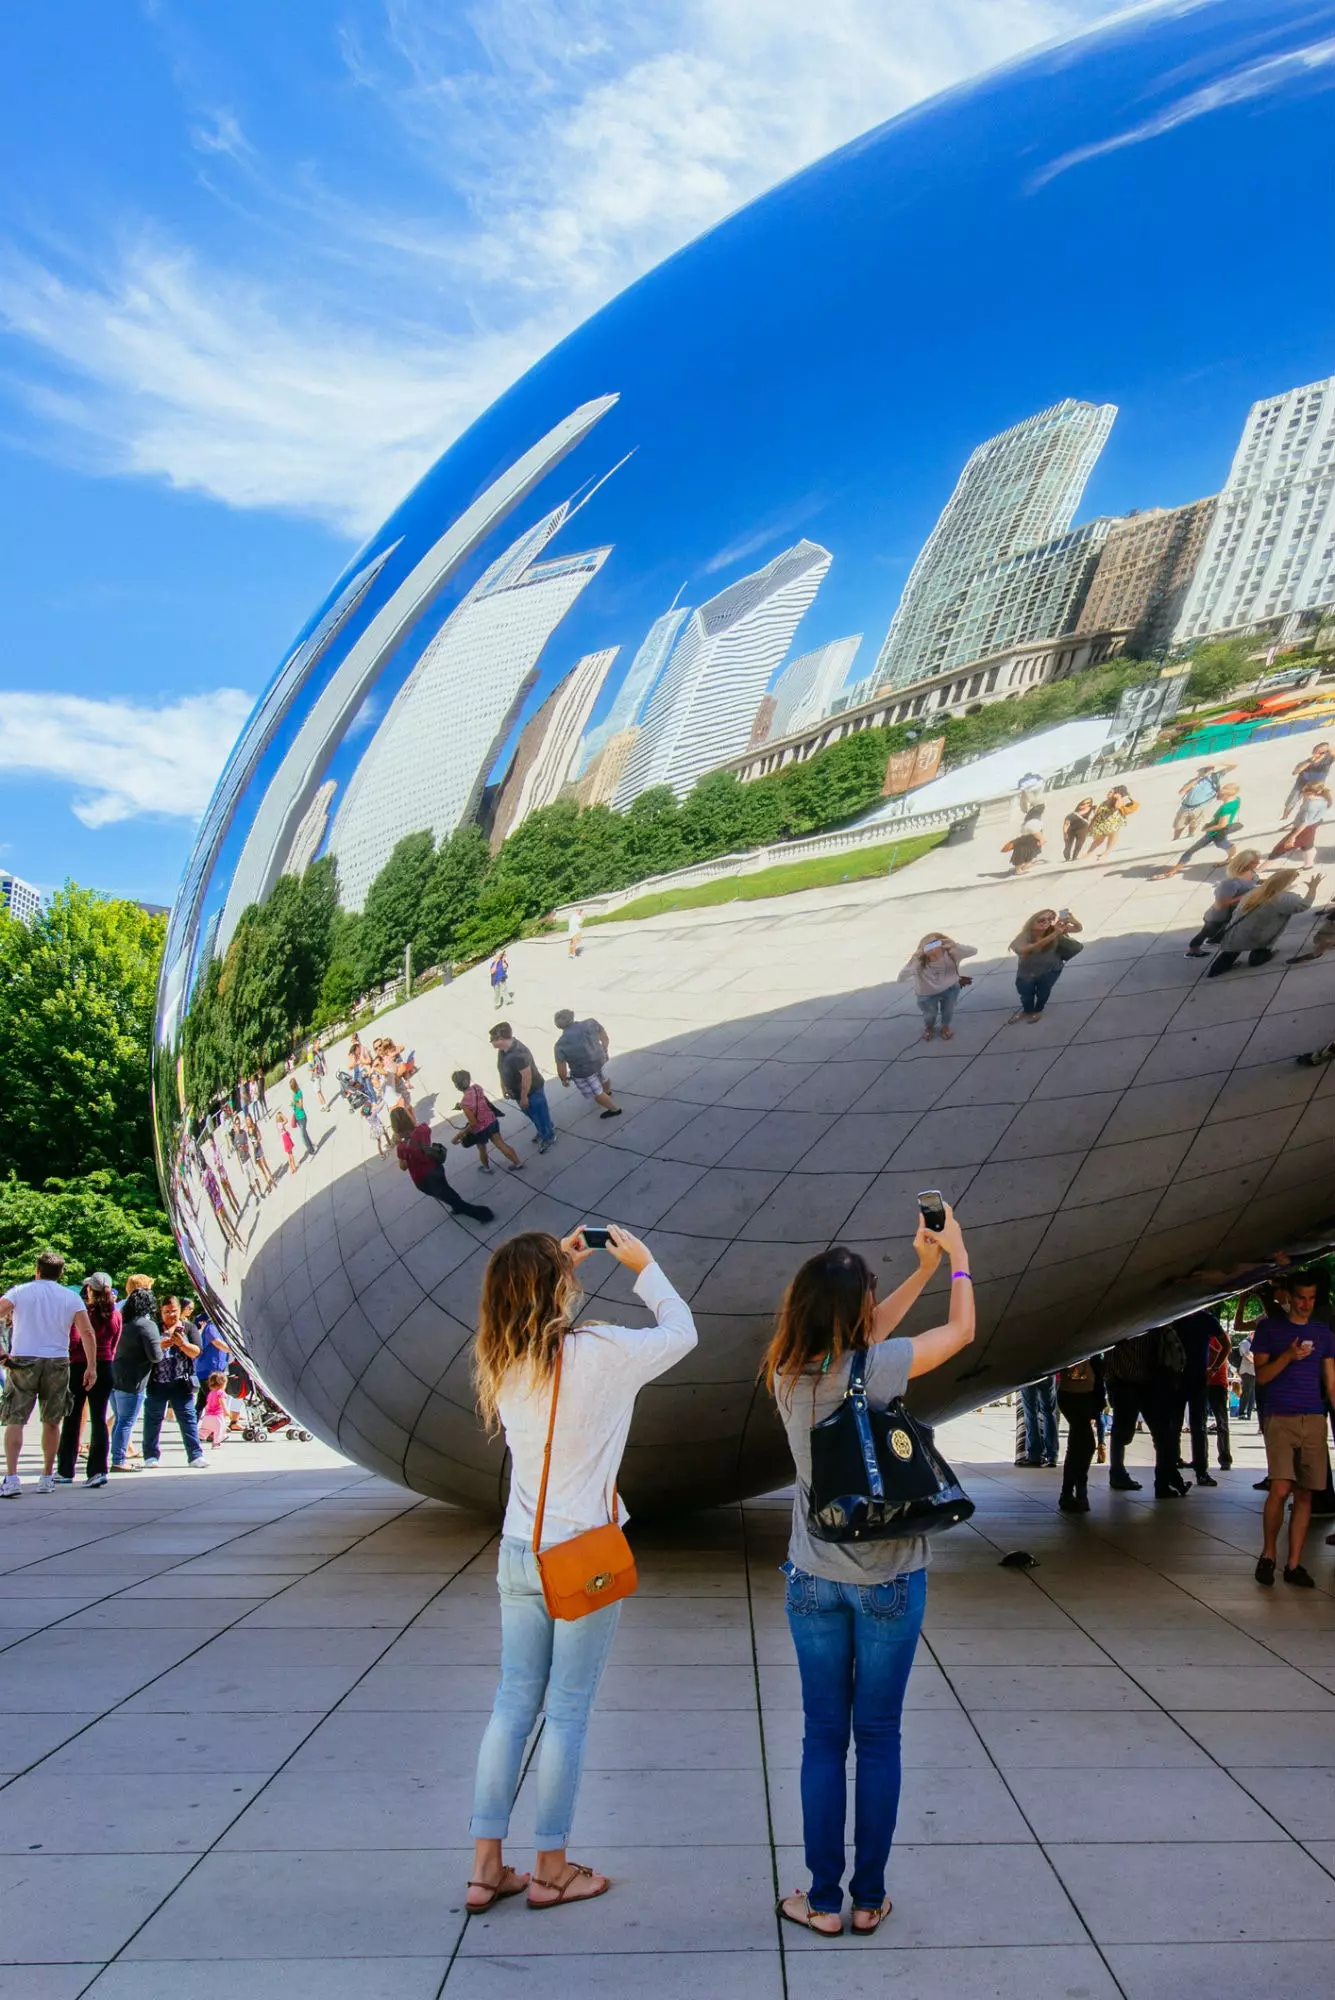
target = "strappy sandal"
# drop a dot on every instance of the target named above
(515, 1885)
(563, 1889)
(804, 1922)
(870, 1930)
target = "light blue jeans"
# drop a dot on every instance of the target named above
(550, 1666)
(126, 1405)
(938, 1009)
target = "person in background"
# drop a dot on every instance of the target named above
(318, 1067)
(213, 1417)
(1320, 942)
(99, 1297)
(43, 1318)
(299, 1113)
(1128, 1373)
(1041, 951)
(855, 1609)
(575, 932)
(934, 974)
(214, 1353)
(484, 1126)
(422, 1160)
(1246, 1379)
(534, 1364)
(1075, 828)
(1040, 1421)
(1026, 847)
(1217, 1385)
(1197, 1332)
(285, 1139)
(1109, 819)
(171, 1386)
(1219, 832)
(1197, 797)
(499, 974)
(1261, 918)
(1240, 877)
(581, 1058)
(1314, 769)
(137, 1351)
(1299, 836)
(1080, 1398)
(262, 1166)
(1295, 1371)
(521, 1082)
(1168, 1402)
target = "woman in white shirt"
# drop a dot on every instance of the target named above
(530, 1295)
(934, 973)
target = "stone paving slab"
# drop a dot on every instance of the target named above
(1107, 1758)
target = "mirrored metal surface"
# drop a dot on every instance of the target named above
(983, 405)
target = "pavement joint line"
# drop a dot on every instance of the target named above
(394, 1634)
(775, 1884)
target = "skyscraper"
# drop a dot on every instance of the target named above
(294, 784)
(1014, 498)
(310, 831)
(545, 749)
(1144, 573)
(700, 712)
(1270, 552)
(805, 690)
(428, 760)
(597, 783)
(20, 898)
(641, 674)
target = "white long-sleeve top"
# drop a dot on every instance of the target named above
(602, 1370)
(941, 974)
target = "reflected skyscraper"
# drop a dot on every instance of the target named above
(701, 710)
(808, 688)
(1270, 552)
(547, 745)
(310, 831)
(999, 565)
(429, 758)
(643, 671)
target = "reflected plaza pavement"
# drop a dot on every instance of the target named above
(242, 1710)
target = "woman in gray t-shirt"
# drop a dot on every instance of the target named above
(854, 1609)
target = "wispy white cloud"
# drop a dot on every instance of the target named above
(122, 761)
(546, 152)
(1252, 80)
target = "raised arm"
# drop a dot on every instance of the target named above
(891, 1311)
(938, 1345)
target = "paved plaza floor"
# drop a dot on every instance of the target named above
(241, 1708)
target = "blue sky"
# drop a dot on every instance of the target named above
(263, 264)
(259, 265)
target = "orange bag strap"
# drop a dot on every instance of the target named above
(547, 1462)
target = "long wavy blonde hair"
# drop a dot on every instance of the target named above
(529, 1297)
(1266, 892)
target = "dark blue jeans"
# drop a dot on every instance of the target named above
(1034, 992)
(179, 1397)
(1039, 1402)
(855, 1644)
(539, 1114)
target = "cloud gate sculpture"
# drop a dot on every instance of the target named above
(985, 404)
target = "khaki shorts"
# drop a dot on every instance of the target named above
(1295, 1448)
(30, 1382)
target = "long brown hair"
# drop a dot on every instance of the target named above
(529, 1294)
(825, 1312)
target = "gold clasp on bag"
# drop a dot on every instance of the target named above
(599, 1582)
(901, 1444)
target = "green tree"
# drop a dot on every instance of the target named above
(101, 1221)
(1221, 666)
(450, 898)
(77, 990)
(393, 905)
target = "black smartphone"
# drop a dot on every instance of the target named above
(933, 1205)
(597, 1237)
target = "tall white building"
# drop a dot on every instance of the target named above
(20, 898)
(808, 688)
(310, 831)
(700, 712)
(1014, 500)
(1270, 552)
(428, 761)
(289, 792)
(546, 748)
(641, 674)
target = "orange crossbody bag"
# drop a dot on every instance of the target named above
(590, 1570)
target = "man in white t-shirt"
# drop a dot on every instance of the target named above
(41, 1316)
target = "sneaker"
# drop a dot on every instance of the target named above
(11, 1487)
(611, 1114)
(545, 1145)
(1204, 1479)
(194, 1463)
(483, 1169)
(145, 1463)
(1297, 1574)
(1265, 1569)
(96, 1479)
(47, 1483)
(60, 1479)
(1122, 1482)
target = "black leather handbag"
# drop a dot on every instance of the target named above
(875, 1475)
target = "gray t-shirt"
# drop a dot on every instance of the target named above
(887, 1376)
(1033, 964)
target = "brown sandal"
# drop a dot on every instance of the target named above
(563, 1889)
(804, 1922)
(496, 1891)
(870, 1930)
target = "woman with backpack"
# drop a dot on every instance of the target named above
(420, 1157)
(563, 1393)
(855, 1608)
(1081, 1399)
(484, 1124)
(138, 1351)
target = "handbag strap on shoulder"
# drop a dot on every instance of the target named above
(541, 1509)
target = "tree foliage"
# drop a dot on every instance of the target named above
(1218, 668)
(102, 1221)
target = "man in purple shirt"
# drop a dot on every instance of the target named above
(1295, 1377)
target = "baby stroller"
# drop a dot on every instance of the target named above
(358, 1094)
(262, 1417)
